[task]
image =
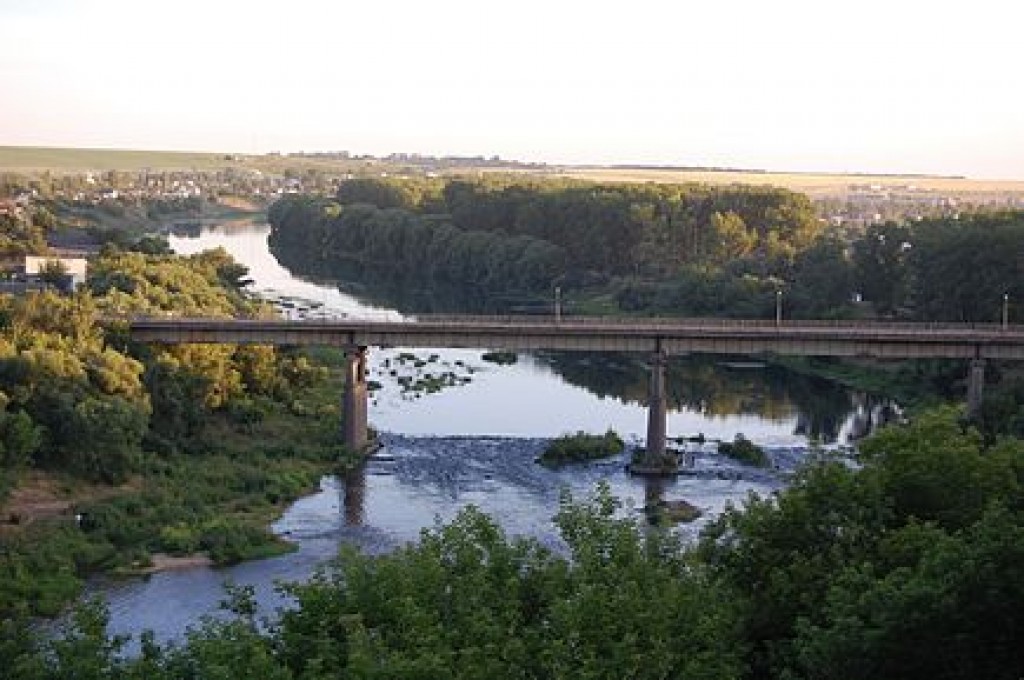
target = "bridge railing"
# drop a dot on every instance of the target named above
(639, 323)
(710, 322)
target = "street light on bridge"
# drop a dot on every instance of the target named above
(1006, 310)
(558, 304)
(778, 308)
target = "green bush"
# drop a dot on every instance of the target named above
(744, 451)
(179, 539)
(579, 447)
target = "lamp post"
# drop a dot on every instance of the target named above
(778, 308)
(558, 304)
(1006, 310)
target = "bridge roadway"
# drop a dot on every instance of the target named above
(618, 334)
(657, 338)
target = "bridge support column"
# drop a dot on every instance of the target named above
(975, 387)
(657, 410)
(354, 400)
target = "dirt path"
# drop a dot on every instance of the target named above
(43, 496)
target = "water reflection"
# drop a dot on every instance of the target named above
(408, 295)
(353, 491)
(717, 387)
(654, 490)
(717, 393)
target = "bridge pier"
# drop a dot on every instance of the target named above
(657, 409)
(354, 400)
(975, 387)
(654, 458)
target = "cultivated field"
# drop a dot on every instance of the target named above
(816, 185)
(67, 161)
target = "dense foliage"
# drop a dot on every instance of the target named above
(908, 567)
(147, 439)
(404, 245)
(519, 235)
(24, 234)
(945, 269)
(690, 249)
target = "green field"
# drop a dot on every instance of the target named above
(65, 160)
(37, 158)
(33, 159)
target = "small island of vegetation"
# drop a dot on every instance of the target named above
(745, 451)
(580, 447)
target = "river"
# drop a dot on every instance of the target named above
(474, 442)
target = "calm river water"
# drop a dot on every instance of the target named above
(475, 440)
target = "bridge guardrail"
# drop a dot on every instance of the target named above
(639, 323)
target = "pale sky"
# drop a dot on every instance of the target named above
(816, 85)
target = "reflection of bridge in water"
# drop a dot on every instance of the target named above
(656, 338)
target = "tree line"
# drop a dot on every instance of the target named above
(687, 249)
(322, 234)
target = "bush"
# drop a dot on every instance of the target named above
(500, 358)
(744, 451)
(179, 539)
(580, 447)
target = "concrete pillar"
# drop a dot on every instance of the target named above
(657, 409)
(975, 387)
(354, 400)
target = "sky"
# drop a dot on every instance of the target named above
(901, 86)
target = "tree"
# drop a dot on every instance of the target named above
(731, 237)
(106, 437)
(880, 266)
(20, 438)
(822, 280)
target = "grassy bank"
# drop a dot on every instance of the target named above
(216, 499)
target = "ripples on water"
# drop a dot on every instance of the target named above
(413, 483)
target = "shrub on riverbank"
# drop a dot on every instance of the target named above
(580, 447)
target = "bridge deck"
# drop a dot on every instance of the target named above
(670, 336)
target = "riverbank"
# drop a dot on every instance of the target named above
(210, 505)
(139, 220)
(912, 384)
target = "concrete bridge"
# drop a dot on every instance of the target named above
(657, 338)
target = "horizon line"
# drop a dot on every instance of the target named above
(495, 158)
